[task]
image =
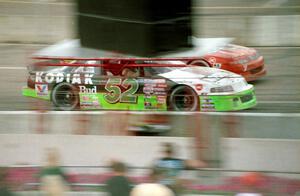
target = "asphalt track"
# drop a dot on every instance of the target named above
(278, 92)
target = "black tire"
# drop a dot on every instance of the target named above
(201, 63)
(183, 98)
(65, 96)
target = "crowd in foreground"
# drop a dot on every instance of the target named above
(163, 180)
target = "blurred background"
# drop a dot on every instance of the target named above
(252, 151)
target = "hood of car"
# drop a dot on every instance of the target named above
(207, 77)
(232, 51)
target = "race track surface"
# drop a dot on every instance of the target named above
(278, 92)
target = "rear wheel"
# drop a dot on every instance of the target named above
(65, 96)
(184, 98)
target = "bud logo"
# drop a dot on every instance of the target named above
(42, 77)
(83, 89)
(41, 89)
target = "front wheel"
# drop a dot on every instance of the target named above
(65, 96)
(184, 98)
(200, 63)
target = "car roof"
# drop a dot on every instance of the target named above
(73, 50)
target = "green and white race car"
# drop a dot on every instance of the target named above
(116, 84)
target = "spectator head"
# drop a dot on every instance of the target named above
(118, 167)
(52, 157)
(156, 174)
(168, 149)
(149, 189)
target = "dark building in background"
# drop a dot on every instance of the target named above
(139, 27)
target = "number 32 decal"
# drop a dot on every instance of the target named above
(115, 94)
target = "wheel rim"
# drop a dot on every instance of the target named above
(184, 100)
(66, 97)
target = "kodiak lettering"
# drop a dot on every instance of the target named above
(41, 77)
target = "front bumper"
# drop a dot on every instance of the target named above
(239, 101)
(255, 69)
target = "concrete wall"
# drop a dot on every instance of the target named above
(237, 153)
(78, 150)
(208, 128)
(261, 154)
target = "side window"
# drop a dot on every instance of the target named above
(89, 69)
(148, 72)
(131, 72)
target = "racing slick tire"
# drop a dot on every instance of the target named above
(201, 63)
(183, 98)
(65, 96)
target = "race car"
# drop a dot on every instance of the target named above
(238, 59)
(123, 84)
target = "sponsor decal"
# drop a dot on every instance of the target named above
(148, 90)
(85, 98)
(41, 77)
(208, 106)
(154, 81)
(84, 89)
(89, 101)
(147, 96)
(217, 65)
(148, 85)
(199, 87)
(160, 93)
(161, 99)
(158, 89)
(212, 60)
(207, 100)
(147, 104)
(41, 89)
(162, 85)
(155, 86)
(159, 81)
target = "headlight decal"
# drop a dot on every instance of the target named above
(222, 89)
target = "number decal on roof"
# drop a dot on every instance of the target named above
(115, 94)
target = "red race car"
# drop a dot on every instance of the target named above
(238, 59)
